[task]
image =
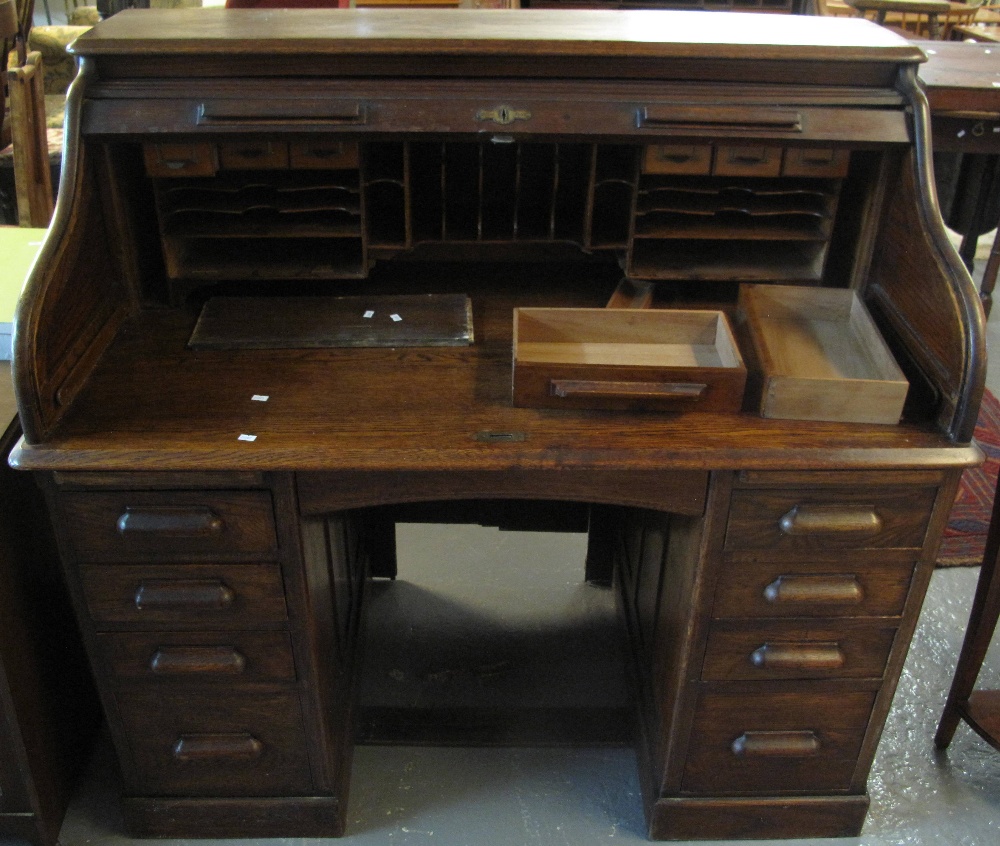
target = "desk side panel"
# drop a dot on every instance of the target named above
(923, 292)
(75, 284)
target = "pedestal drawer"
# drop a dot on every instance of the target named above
(191, 743)
(855, 584)
(202, 595)
(227, 657)
(821, 519)
(796, 651)
(161, 525)
(772, 743)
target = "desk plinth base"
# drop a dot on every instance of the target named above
(291, 816)
(757, 817)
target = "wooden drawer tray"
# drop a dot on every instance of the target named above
(626, 359)
(819, 356)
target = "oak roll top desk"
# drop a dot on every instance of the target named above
(769, 571)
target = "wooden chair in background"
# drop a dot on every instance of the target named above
(933, 19)
(32, 176)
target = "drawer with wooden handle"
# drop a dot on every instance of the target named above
(747, 161)
(819, 519)
(821, 162)
(853, 584)
(796, 650)
(253, 155)
(169, 525)
(197, 595)
(681, 159)
(212, 657)
(324, 154)
(768, 743)
(170, 160)
(213, 744)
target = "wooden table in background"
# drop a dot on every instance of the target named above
(963, 89)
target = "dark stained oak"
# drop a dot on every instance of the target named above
(221, 512)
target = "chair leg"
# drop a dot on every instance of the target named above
(982, 623)
(990, 273)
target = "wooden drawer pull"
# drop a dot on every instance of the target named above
(719, 118)
(211, 747)
(750, 158)
(786, 744)
(183, 660)
(831, 520)
(170, 520)
(252, 112)
(646, 390)
(677, 155)
(798, 656)
(184, 593)
(825, 590)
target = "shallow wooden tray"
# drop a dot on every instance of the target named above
(625, 359)
(819, 356)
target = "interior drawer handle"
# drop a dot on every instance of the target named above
(749, 158)
(198, 660)
(210, 594)
(626, 390)
(211, 747)
(230, 112)
(784, 744)
(719, 118)
(862, 520)
(170, 520)
(798, 656)
(824, 590)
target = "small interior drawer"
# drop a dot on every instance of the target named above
(195, 595)
(169, 525)
(767, 743)
(793, 650)
(680, 159)
(213, 744)
(626, 359)
(822, 162)
(324, 153)
(747, 161)
(811, 519)
(227, 658)
(193, 159)
(253, 155)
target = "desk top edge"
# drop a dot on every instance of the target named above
(641, 34)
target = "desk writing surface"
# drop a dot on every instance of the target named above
(413, 409)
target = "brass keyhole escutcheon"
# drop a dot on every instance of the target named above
(503, 115)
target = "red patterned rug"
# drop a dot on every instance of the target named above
(965, 537)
